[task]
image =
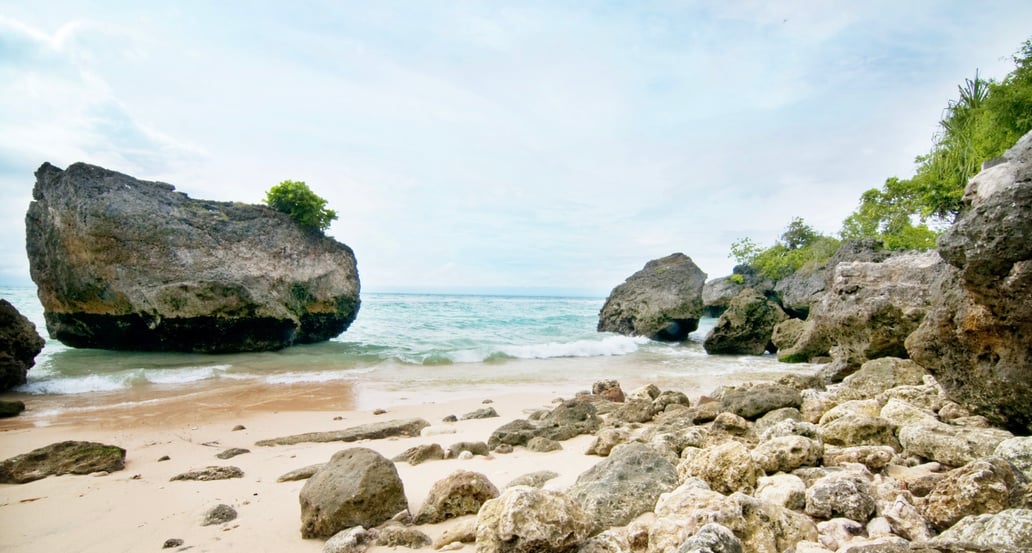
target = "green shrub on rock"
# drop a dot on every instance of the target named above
(296, 199)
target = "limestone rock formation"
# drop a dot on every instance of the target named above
(461, 493)
(976, 338)
(717, 293)
(19, 346)
(529, 520)
(746, 326)
(869, 309)
(663, 301)
(122, 263)
(804, 288)
(358, 487)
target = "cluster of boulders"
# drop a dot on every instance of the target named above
(881, 462)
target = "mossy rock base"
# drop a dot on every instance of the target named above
(69, 457)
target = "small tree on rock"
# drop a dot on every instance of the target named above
(296, 199)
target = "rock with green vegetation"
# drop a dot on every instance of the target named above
(663, 301)
(69, 457)
(19, 346)
(128, 264)
(745, 328)
(977, 335)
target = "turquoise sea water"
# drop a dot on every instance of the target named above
(405, 342)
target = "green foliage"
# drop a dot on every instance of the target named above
(986, 119)
(798, 246)
(296, 199)
(737, 279)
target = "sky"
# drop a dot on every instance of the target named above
(546, 147)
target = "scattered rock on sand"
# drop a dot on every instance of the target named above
(461, 493)
(372, 431)
(416, 455)
(357, 487)
(171, 543)
(533, 479)
(210, 473)
(482, 413)
(394, 535)
(302, 473)
(232, 452)
(69, 457)
(219, 514)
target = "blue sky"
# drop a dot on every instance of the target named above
(550, 146)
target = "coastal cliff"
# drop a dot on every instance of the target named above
(127, 264)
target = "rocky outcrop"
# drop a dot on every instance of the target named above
(717, 293)
(19, 346)
(869, 309)
(358, 487)
(745, 328)
(663, 301)
(122, 263)
(976, 338)
(69, 457)
(799, 291)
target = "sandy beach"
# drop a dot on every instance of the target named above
(138, 508)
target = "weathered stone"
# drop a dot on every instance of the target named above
(371, 431)
(751, 401)
(476, 448)
(842, 494)
(786, 335)
(950, 445)
(855, 430)
(614, 540)
(746, 326)
(302, 473)
(633, 410)
(789, 427)
(351, 540)
(786, 490)
(919, 480)
(357, 487)
(11, 408)
(727, 468)
(568, 419)
(219, 514)
(869, 309)
(605, 440)
(1009, 531)
(463, 531)
(985, 486)
(1018, 451)
(787, 453)
(531, 520)
(666, 398)
(19, 346)
(122, 263)
(210, 473)
(393, 535)
(419, 454)
(69, 457)
(712, 538)
(461, 493)
(663, 301)
(482, 413)
(906, 520)
(231, 452)
(874, 457)
(609, 390)
(533, 479)
(878, 375)
(975, 340)
(804, 288)
(624, 485)
(924, 396)
(901, 413)
(838, 532)
(541, 444)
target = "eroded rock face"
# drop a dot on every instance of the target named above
(663, 301)
(746, 326)
(19, 346)
(122, 263)
(976, 340)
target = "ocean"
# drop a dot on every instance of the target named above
(402, 346)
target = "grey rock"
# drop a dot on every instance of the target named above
(463, 531)
(352, 540)
(906, 520)
(476, 448)
(717, 293)
(786, 490)
(533, 479)
(219, 514)
(482, 413)
(874, 457)
(842, 494)
(948, 444)
(634, 410)
(401, 536)
(19, 346)
(745, 328)
(985, 486)
(804, 288)
(1009, 531)
(878, 375)
(68, 457)
(122, 263)
(232, 452)
(531, 520)
(302, 473)
(624, 485)
(726, 468)
(541, 444)
(753, 400)
(210, 473)
(712, 538)
(419, 454)
(461, 493)
(787, 453)
(786, 334)
(570, 418)
(605, 440)
(663, 301)
(838, 532)
(172, 543)
(357, 487)
(1018, 451)
(371, 431)
(975, 340)
(857, 429)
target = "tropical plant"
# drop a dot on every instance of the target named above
(296, 199)
(798, 246)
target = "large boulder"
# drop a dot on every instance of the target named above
(986, 486)
(746, 326)
(530, 520)
(869, 309)
(976, 338)
(624, 485)
(358, 487)
(717, 293)
(19, 346)
(663, 301)
(1009, 531)
(122, 263)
